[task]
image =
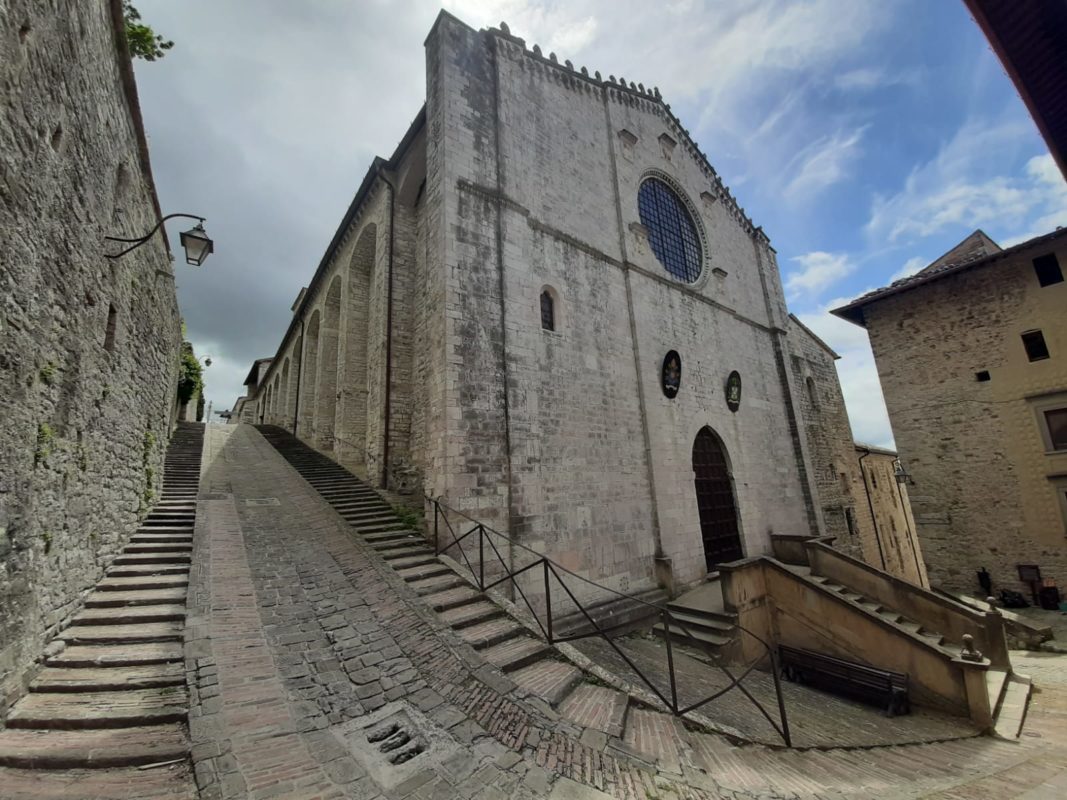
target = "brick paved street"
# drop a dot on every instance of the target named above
(303, 643)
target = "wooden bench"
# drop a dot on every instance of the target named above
(888, 690)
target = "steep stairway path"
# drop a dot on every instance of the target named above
(112, 692)
(611, 716)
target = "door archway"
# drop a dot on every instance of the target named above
(719, 529)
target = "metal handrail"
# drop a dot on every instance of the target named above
(551, 569)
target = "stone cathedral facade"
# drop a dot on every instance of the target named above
(547, 308)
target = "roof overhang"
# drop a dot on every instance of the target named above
(1030, 38)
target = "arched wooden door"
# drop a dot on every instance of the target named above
(715, 501)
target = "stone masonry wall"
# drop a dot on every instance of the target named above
(88, 346)
(986, 491)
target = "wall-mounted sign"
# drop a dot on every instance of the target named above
(733, 391)
(672, 373)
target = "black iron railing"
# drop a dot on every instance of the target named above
(489, 568)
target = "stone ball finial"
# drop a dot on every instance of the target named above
(537, 49)
(597, 75)
(504, 27)
(611, 78)
(585, 72)
(568, 64)
(968, 652)
(552, 58)
(641, 88)
(656, 94)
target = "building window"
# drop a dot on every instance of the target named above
(850, 521)
(1034, 342)
(982, 376)
(1048, 270)
(813, 396)
(672, 234)
(1056, 423)
(109, 331)
(548, 311)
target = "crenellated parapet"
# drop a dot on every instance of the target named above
(620, 91)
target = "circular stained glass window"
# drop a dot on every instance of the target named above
(672, 233)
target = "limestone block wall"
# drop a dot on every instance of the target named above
(986, 489)
(582, 454)
(88, 346)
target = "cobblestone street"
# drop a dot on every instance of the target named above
(302, 643)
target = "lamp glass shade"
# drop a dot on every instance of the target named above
(198, 246)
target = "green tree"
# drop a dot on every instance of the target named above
(190, 375)
(141, 39)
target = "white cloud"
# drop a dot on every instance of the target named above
(818, 271)
(823, 163)
(911, 266)
(864, 79)
(962, 188)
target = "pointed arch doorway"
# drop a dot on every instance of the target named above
(715, 500)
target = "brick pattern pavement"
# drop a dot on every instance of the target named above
(345, 635)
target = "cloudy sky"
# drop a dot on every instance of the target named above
(867, 137)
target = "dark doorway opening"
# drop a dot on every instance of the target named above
(715, 501)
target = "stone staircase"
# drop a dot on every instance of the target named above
(112, 691)
(625, 723)
(699, 620)
(1009, 693)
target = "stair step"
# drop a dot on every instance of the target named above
(694, 634)
(139, 632)
(552, 681)
(405, 551)
(109, 655)
(516, 653)
(597, 707)
(390, 536)
(148, 570)
(1013, 707)
(144, 583)
(141, 597)
(380, 527)
(120, 747)
(712, 624)
(66, 711)
(657, 736)
(398, 543)
(416, 573)
(104, 679)
(470, 614)
(436, 584)
(490, 632)
(161, 547)
(164, 559)
(453, 598)
(128, 615)
(412, 561)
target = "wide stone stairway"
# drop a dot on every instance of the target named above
(112, 692)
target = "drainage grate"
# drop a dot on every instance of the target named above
(395, 742)
(263, 501)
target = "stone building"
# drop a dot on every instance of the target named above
(88, 345)
(971, 356)
(546, 307)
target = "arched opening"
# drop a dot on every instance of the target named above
(294, 390)
(283, 409)
(719, 528)
(308, 387)
(274, 404)
(353, 411)
(268, 417)
(326, 390)
(813, 395)
(548, 310)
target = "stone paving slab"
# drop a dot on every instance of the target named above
(295, 601)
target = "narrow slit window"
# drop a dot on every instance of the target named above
(548, 312)
(1048, 270)
(1034, 342)
(109, 331)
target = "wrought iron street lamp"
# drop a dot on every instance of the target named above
(900, 473)
(198, 245)
(206, 360)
